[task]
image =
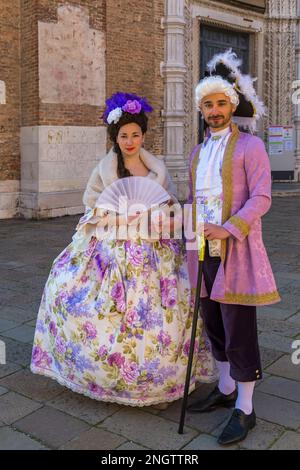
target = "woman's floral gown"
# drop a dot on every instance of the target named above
(115, 321)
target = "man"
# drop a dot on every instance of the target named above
(230, 189)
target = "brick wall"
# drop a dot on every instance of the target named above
(34, 112)
(134, 51)
(135, 48)
(10, 74)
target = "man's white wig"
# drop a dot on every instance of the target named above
(226, 77)
(215, 84)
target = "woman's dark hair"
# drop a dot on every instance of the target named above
(113, 130)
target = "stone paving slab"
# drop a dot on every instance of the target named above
(275, 341)
(285, 368)
(274, 313)
(268, 357)
(288, 276)
(51, 426)
(204, 422)
(129, 445)
(142, 428)
(14, 299)
(13, 274)
(259, 438)
(295, 319)
(24, 334)
(290, 297)
(14, 407)
(79, 406)
(8, 368)
(17, 352)
(32, 285)
(281, 387)
(31, 323)
(277, 410)
(284, 328)
(288, 441)
(7, 324)
(262, 436)
(15, 440)
(207, 442)
(3, 390)
(33, 386)
(25, 295)
(94, 439)
(17, 314)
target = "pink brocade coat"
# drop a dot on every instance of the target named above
(245, 276)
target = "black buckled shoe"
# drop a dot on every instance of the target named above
(237, 427)
(214, 400)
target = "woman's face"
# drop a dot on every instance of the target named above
(130, 139)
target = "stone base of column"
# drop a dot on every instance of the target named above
(49, 205)
(56, 162)
(9, 199)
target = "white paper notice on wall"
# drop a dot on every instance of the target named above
(281, 140)
(276, 140)
(2, 92)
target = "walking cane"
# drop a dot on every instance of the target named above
(193, 335)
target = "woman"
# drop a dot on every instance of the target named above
(115, 316)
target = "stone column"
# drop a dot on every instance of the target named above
(174, 72)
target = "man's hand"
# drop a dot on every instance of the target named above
(215, 232)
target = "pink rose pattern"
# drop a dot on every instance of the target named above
(115, 322)
(132, 107)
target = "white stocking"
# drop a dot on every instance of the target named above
(226, 382)
(244, 399)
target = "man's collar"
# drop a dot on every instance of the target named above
(208, 132)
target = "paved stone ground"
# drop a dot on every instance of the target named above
(37, 413)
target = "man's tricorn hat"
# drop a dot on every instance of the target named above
(223, 75)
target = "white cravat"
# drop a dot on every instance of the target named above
(209, 182)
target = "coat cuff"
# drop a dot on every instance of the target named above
(238, 227)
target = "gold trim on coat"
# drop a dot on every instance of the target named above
(227, 180)
(240, 224)
(250, 299)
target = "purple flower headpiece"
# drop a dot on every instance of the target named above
(120, 103)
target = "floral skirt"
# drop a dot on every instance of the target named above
(115, 322)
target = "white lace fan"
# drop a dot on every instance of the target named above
(132, 195)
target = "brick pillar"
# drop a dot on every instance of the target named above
(63, 93)
(135, 50)
(9, 108)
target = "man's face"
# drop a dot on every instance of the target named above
(217, 110)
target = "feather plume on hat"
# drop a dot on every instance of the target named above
(250, 108)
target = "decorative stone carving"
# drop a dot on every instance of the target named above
(279, 61)
(272, 60)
